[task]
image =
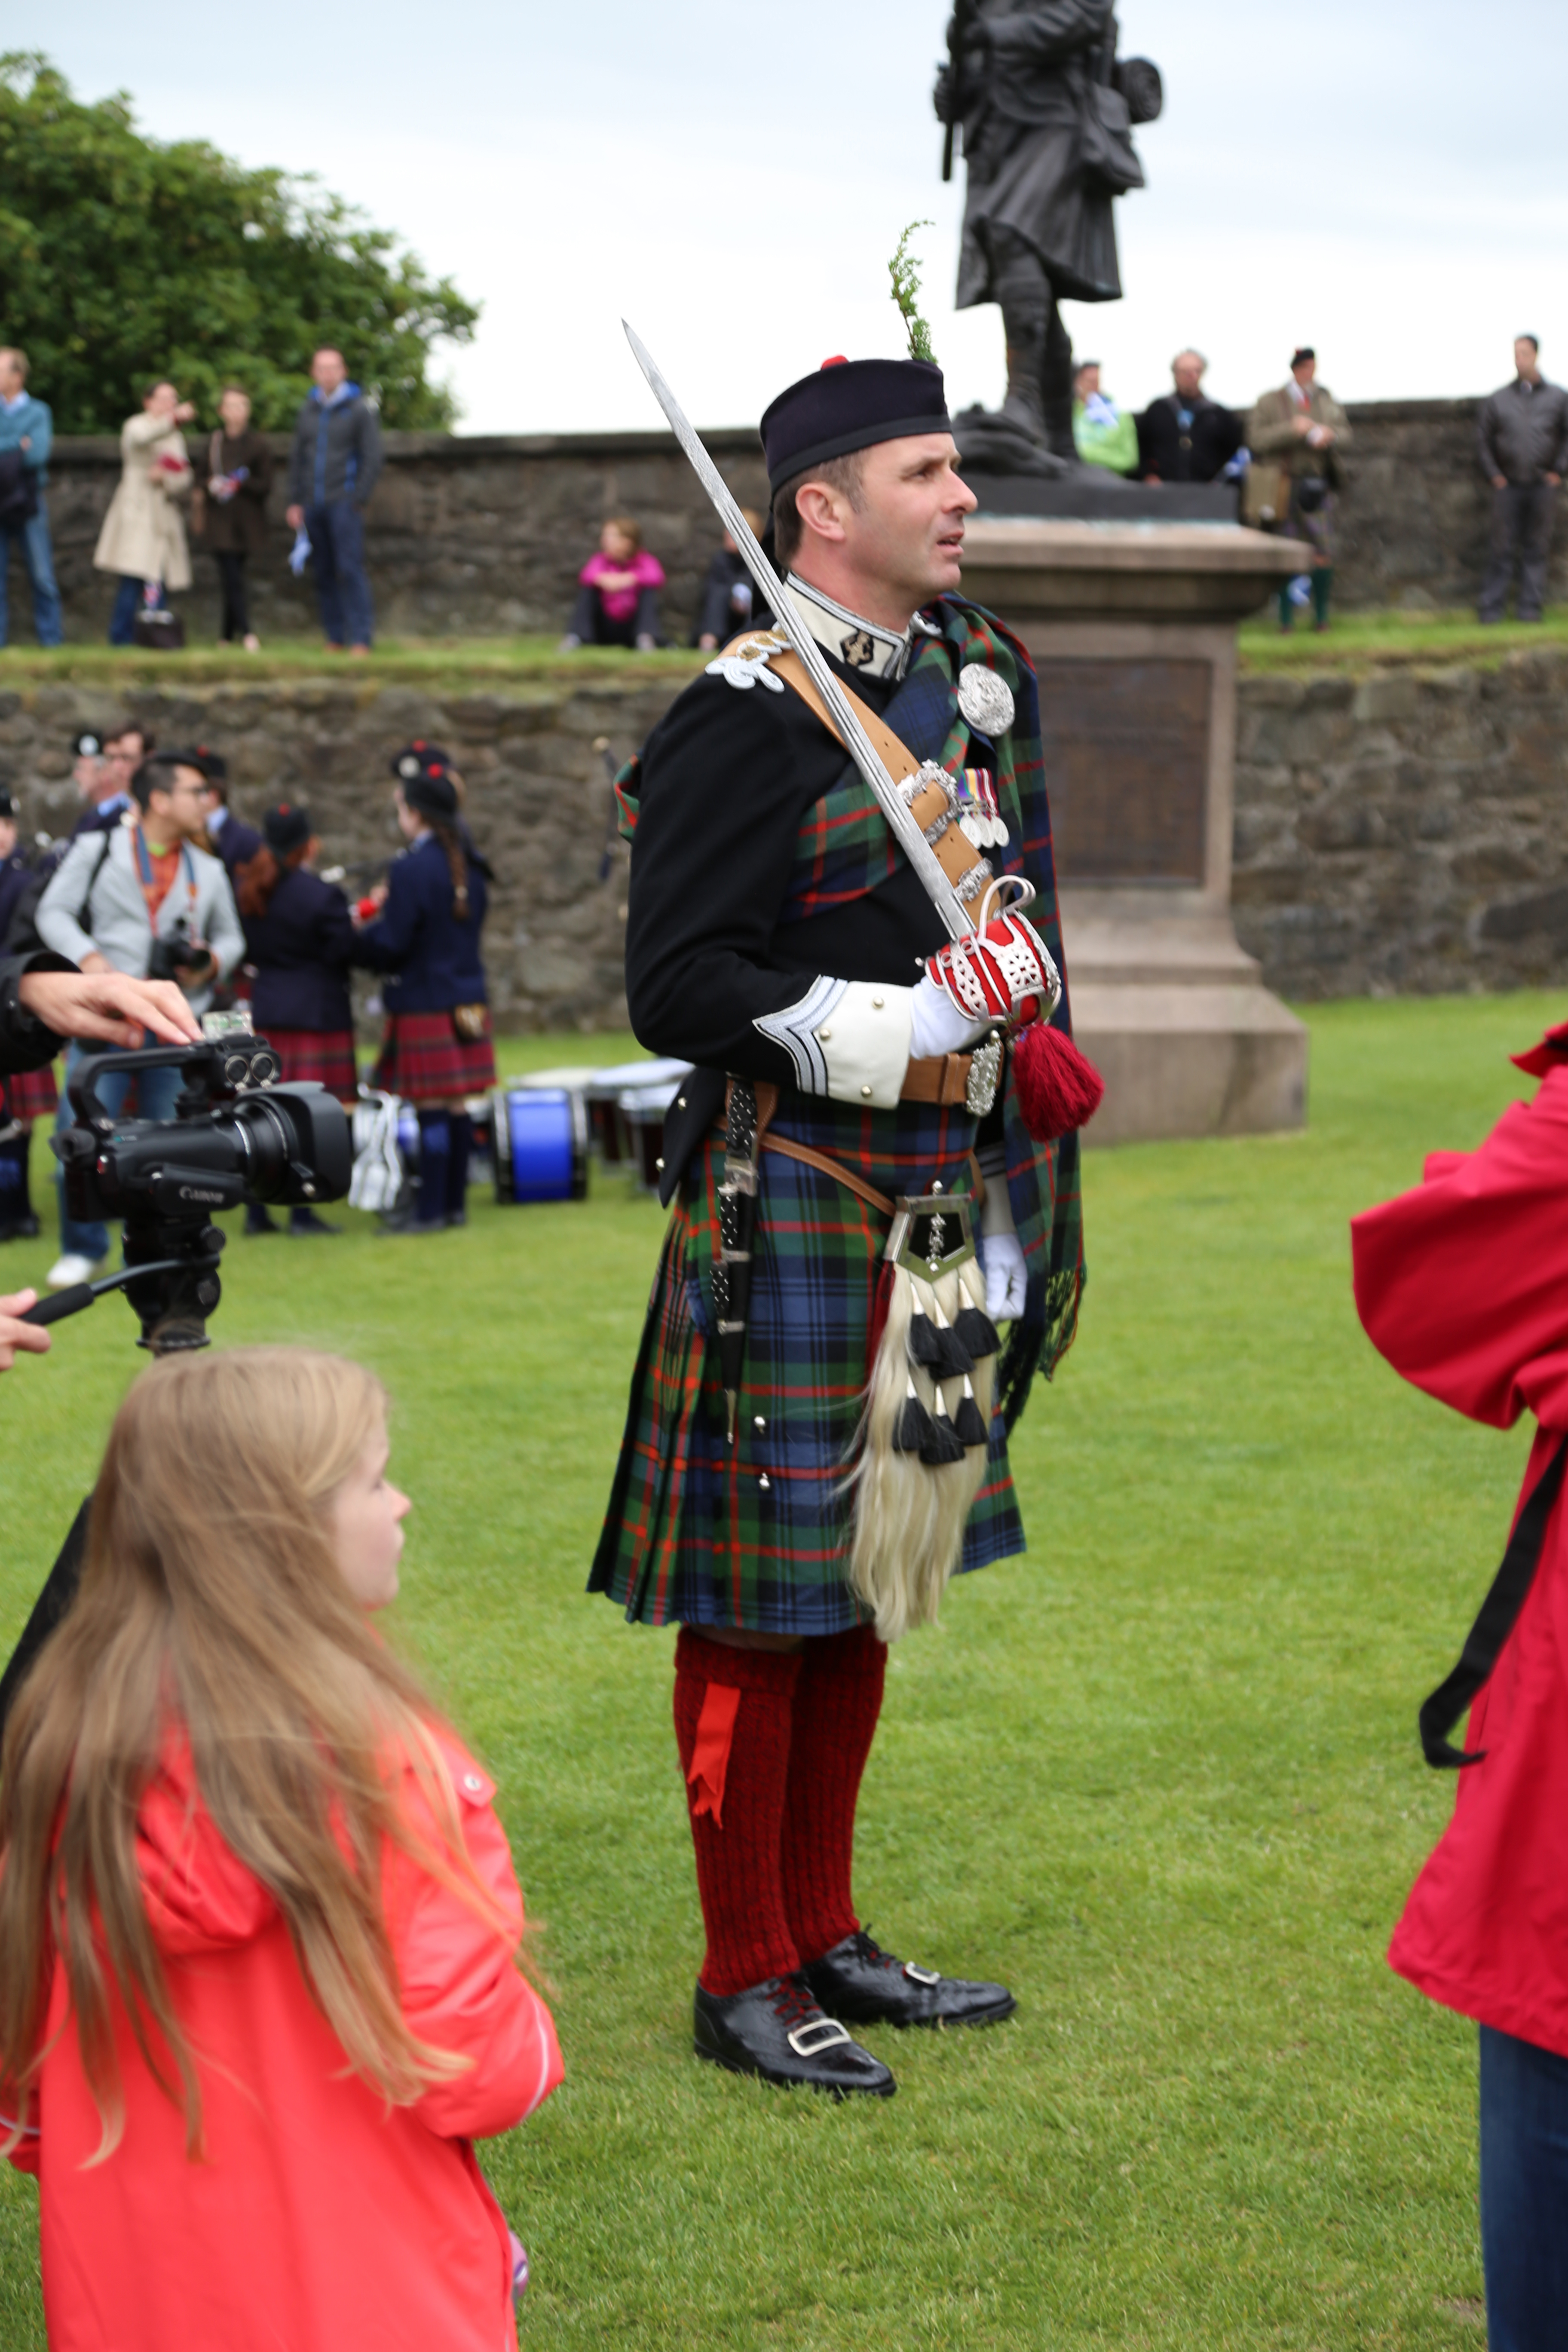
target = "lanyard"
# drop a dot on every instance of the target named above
(149, 880)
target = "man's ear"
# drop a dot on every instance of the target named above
(818, 509)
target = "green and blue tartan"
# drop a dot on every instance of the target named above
(757, 1535)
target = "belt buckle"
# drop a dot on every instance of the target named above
(799, 2037)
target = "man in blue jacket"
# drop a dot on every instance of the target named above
(26, 429)
(332, 469)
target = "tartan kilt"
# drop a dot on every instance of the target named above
(326, 1055)
(690, 1532)
(423, 1059)
(32, 1094)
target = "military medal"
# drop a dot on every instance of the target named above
(979, 817)
(985, 699)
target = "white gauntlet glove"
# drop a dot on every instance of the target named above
(938, 1026)
(1001, 1254)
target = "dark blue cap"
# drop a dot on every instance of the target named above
(849, 405)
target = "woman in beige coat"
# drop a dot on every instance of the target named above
(144, 534)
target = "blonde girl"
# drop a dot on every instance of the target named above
(259, 1924)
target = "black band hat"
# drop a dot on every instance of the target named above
(212, 765)
(86, 746)
(7, 805)
(420, 758)
(286, 827)
(850, 404)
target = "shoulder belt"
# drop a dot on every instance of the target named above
(932, 809)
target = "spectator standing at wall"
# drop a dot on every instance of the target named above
(143, 535)
(728, 601)
(27, 430)
(1185, 436)
(234, 481)
(425, 938)
(1296, 435)
(299, 937)
(1523, 439)
(617, 591)
(145, 898)
(333, 467)
(1103, 434)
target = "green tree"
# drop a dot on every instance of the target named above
(122, 259)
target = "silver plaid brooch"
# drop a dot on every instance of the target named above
(985, 699)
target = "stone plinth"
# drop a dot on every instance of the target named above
(1132, 628)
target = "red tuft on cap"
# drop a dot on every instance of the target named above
(838, 359)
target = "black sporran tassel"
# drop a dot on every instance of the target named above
(968, 1422)
(954, 1359)
(944, 1445)
(914, 1429)
(975, 1330)
(923, 1344)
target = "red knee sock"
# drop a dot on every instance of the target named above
(837, 1703)
(732, 1713)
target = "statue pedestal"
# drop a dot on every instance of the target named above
(1132, 629)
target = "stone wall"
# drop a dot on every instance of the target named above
(1406, 831)
(1401, 832)
(538, 799)
(483, 535)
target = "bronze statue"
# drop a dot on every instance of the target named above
(1046, 109)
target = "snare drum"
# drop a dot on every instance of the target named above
(540, 1145)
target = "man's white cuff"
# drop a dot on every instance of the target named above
(847, 1038)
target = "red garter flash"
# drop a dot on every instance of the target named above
(711, 1755)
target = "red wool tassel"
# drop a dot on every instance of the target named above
(1058, 1088)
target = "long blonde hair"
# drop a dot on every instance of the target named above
(212, 1604)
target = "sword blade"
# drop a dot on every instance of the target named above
(895, 808)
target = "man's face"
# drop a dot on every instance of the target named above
(1088, 382)
(181, 807)
(1305, 373)
(1188, 371)
(1525, 355)
(908, 531)
(327, 371)
(122, 755)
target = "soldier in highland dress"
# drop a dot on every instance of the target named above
(776, 939)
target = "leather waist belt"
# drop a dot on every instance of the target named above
(823, 1161)
(943, 1078)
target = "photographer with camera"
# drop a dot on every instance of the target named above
(148, 899)
(42, 1003)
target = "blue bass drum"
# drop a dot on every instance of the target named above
(541, 1145)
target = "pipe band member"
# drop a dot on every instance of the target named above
(774, 931)
(425, 938)
(299, 940)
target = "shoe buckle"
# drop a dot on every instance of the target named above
(921, 1976)
(830, 2032)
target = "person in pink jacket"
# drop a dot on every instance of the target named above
(260, 1932)
(617, 591)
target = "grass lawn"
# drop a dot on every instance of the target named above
(1372, 640)
(1162, 1774)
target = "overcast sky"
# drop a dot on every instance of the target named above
(1367, 176)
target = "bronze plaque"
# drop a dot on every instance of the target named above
(1126, 761)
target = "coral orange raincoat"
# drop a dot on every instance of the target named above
(319, 2219)
(1463, 1285)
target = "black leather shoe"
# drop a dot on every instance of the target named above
(776, 2030)
(859, 1981)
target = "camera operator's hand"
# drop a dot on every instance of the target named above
(108, 1007)
(15, 1335)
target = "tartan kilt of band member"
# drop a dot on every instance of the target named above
(691, 1533)
(423, 1059)
(322, 1056)
(32, 1094)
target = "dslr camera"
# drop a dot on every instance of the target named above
(239, 1134)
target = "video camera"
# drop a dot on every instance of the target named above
(237, 1135)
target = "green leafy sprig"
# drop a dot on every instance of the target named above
(906, 281)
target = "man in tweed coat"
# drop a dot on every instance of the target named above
(777, 933)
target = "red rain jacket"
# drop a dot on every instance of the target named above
(319, 2218)
(1463, 1285)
